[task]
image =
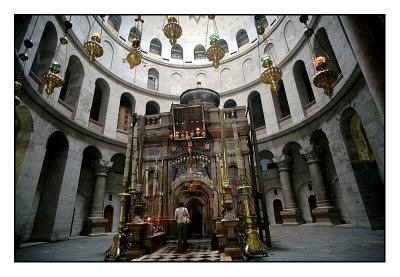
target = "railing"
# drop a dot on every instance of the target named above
(152, 120)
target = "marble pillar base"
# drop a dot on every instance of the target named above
(95, 226)
(291, 217)
(326, 216)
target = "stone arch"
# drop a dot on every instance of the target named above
(254, 100)
(126, 110)
(114, 21)
(322, 47)
(291, 149)
(49, 187)
(118, 160)
(226, 77)
(271, 195)
(23, 130)
(202, 78)
(177, 52)
(71, 89)
(365, 168)
(290, 35)
(230, 103)
(281, 104)
(153, 79)
(269, 49)
(45, 51)
(85, 189)
(224, 46)
(155, 46)
(303, 83)
(199, 52)
(303, 194)
(266, 161)
(108, 56)
(249, 70)
(177, 83)
(98, 111)
(152, 107)
(242, 38)
(260, 20)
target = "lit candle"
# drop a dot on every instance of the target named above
(319, 60)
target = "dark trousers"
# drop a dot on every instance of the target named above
(182, 237)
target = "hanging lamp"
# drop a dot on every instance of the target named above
(172, 30)
(324, 78)
(134, 56)
(93, 47)
(215, 53)
(52, 79)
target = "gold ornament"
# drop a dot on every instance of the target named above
(93, 47)
(272, 75)
(325, 77)
(172, 30)
(51, 79)
(134, 57)
(215, 53)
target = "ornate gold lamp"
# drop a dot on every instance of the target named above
(172, 30)
(134, 57)
(93, 47)
(272, 74)
(51, 79)
(215, 53)
(325, 77)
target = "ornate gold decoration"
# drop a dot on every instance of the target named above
(253, 245)
(51, 79)
(272, 75)
(134, 56)
(215, 53)
(93, 47)
(260, 30)
(325, 77)
(172, 30)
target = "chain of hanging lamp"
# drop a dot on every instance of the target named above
(134, 56)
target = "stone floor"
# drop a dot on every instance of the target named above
(301, 243)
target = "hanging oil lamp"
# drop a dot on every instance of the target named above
(215, 53)
(51, 79)
(325, 77)
(134, 57)
(93, 47)
(272, 75)
(172, 30)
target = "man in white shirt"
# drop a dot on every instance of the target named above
(182, 228)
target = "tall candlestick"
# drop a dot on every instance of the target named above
(147, 181)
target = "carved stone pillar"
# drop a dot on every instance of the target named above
(95, 224)
(325, 213)
(291, 214)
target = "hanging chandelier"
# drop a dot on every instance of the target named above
(134, 56)
(172, 30)
(272, 74)
(215, 53)
(93, 47)
(51, 79)
(325, 77)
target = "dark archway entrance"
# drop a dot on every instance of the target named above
(277, 211)
(312, 203)
(108, 214)
(195, 209)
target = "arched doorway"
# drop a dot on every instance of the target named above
(195, 209)
(277, 211)
(312, 203)
(108, 214)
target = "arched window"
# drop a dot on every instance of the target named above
(73, 79)
(199, 52)
(118, 163)
(230, 103)
(177, 52)
(254, 100)
(45, 51)
(155, 46)
(224, 46)
(260, 20)
(134, 33)
(266, 162)
(152, 108)
(101, 95)
(152, 79)
(242, 38)
(126, 109)
(114, 21)
(280, 102)
(323, 47)
(303, 83)
(291, 149)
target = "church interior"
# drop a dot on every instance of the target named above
(254, 122)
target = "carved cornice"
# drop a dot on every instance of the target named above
(101, 167)
(311, 153)
(282, 162)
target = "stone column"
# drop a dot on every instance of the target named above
(291, 214)
(95, 224)
(325, 213)
(363, 36)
